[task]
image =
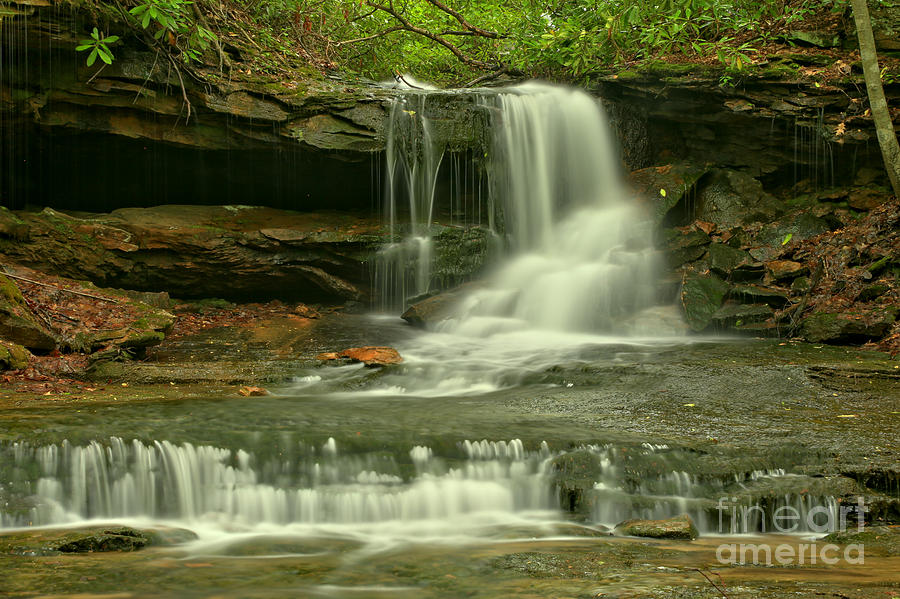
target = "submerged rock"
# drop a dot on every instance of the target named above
(680, 527)
(440, 307)
(90, 540)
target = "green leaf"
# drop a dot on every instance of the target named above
(105, 55)
(146, 20)
(787, 238)
(92, 57)
(111, 39)
(95, 34)
(84, 46)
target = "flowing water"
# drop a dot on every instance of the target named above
(380, 457)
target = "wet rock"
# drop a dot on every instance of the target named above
(733, 313)
(800, 285)
(731, 198)
(96, 539)
(435, 309)
(664, 187)
(701, 297)
(575, 473)
(118, 539)
(460, 254)
(848, 326)
(13, 356)
(877, 540)
(184, 249)
(758, 293)
(18, 324)
(371, 356)
(250, 391)
(724, 259)
(684, 247)
(680, 527)
(867, 198)
(796, 227)
(786, 269)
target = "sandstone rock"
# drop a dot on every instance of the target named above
(786, 269)
(701, 297)
(372, 356)
(249, 391)
(680, 527)
(848, 326)
(12, 226)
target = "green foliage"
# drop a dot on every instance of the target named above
(173, 23)
(98, 46)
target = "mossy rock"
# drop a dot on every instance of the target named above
(835, 327)
(680, 527)
(724, 259)
(13, 356)
(17, 323)
(701, 297)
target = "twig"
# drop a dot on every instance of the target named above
(27, 280)
(721, 589)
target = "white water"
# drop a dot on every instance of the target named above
(578, 283)
(482, 490)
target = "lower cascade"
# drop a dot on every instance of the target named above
(472, 489)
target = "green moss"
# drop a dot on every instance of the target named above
(13, 356)
(10, 291)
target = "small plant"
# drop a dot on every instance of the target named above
(99, 47)
(174, 26)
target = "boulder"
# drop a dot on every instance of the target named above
(13, 356)
(664, 187)
(371, 356)
(758, 293)
(679, 527)
(433, 310)
(786, 269)
(731, 198)
(701, 297)
(723, 259)
(735, 314)
(685, 246)
(836, 327)
(868, 198)
(17, 323)
(792, 228)
(12, 226)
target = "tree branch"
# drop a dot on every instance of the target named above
(453, 48)
(371, 37)
(462, 21)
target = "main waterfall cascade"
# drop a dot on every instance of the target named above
(580, 252)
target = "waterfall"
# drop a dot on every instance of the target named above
(581, 252)
(495, 481)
